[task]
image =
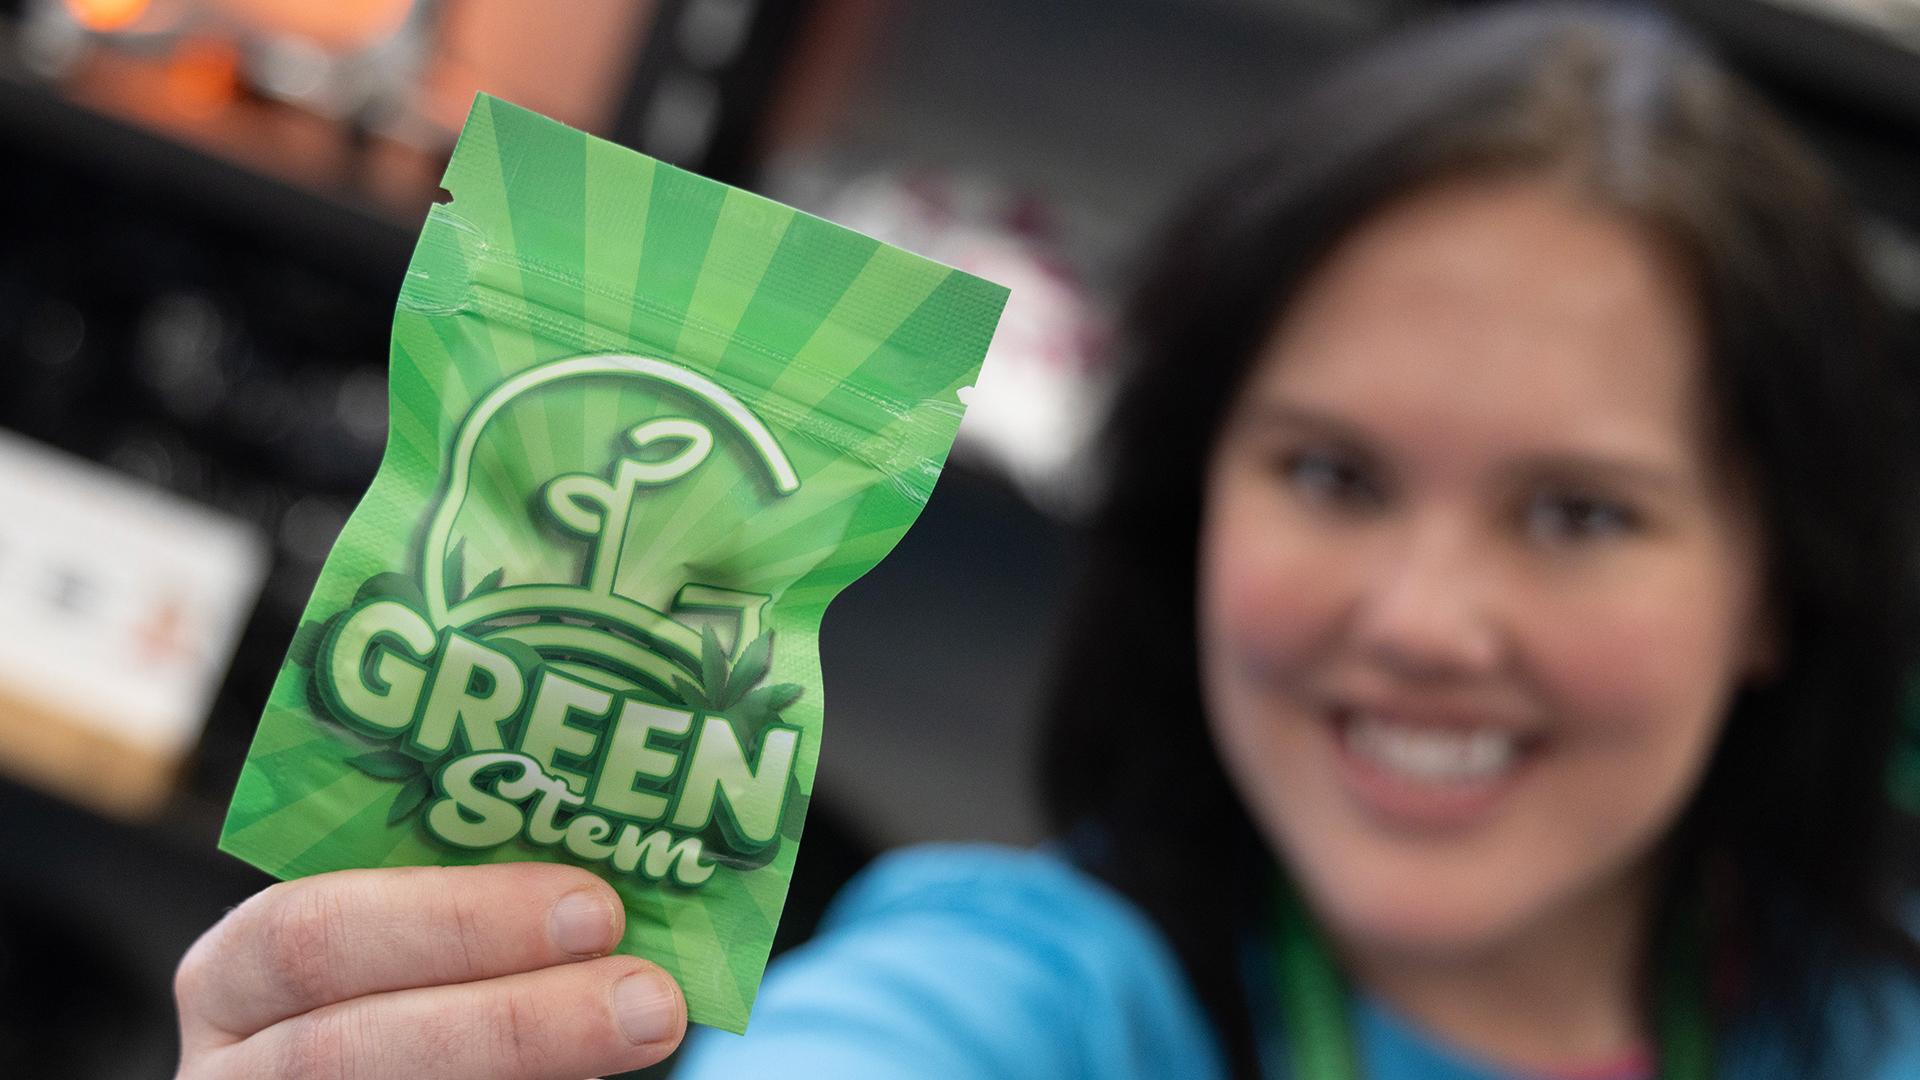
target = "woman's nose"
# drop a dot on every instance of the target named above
(1426, 608)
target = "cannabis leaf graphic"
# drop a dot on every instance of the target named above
(732, 690)
(398, 765)
(456, 571)
(387, 764)
(409, 798)
(489, 583)
(391, 585)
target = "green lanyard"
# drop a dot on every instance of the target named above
(1314, 1002)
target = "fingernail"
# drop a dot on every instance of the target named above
(582, 923)
(645, 1007)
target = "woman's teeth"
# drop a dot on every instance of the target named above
(1429, 754)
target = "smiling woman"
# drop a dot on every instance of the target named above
(1474, 597)
(1492, 640)
(1520, 441)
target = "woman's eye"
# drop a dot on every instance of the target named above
(1328, 477)
(1578, 517)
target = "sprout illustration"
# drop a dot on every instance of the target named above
(589, 506)
(628, 643)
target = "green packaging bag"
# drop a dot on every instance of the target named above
(643, 428)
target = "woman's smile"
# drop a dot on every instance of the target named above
(1427, 774)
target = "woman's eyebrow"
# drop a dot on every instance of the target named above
(1610, 467)
(1622, 468)
(1277, 414)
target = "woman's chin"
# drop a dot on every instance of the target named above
(1425, 935)
(1418, 916)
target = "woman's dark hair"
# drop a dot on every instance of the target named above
(1789, 837)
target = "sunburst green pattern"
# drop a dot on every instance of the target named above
(543, 318)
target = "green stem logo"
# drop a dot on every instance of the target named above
(566, 714)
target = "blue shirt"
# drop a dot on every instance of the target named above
(964, 962)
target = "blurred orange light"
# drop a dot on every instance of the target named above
(107, 14)
(202, 77)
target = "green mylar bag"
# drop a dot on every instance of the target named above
(643, 427)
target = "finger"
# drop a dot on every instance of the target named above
(561, 1023)
(303, 944)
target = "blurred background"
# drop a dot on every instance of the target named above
(205, 210)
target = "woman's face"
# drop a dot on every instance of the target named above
(1474, 598)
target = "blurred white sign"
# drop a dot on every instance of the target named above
(119, 609)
